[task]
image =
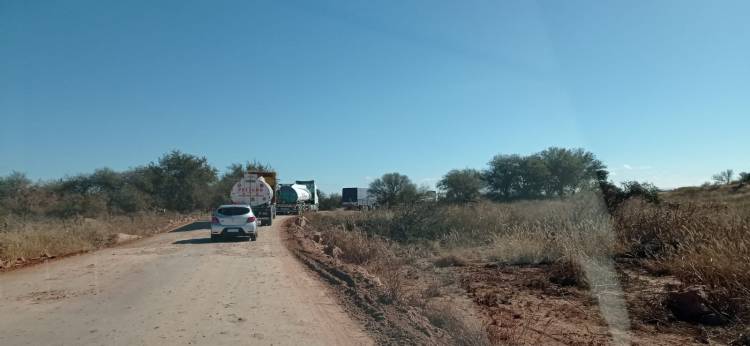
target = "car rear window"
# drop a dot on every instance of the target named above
(232, 211)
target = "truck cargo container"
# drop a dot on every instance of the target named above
(258, 190)
(357, 198)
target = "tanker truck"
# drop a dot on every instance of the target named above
(312, 203)
(297, 198)
(258, 190)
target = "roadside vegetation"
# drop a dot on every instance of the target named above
(549, 224)
(681, 257)
(329, 202)
(88, 211)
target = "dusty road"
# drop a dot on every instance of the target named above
(174, 288)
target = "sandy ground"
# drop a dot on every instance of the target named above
(175, 288)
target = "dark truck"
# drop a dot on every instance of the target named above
(357, 198)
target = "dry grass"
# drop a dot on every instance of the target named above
(463, 331)
(394, 283)
(568, 272)
(735, 195)
(26, 239)
(451, 260)
(432, 290)
(522, 232)
(705, 244)
(357, 247)
(369, 251)
(700, 244)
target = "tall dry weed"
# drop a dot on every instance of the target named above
(701, 244)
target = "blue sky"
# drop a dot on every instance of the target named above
(342, 92)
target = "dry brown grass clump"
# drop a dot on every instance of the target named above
(357, 247)
(450, 260)
(462, 330)
(568, 272)
(701, 244)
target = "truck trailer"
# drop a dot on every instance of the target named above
(258, 190)
(357, 198)
(297, 198)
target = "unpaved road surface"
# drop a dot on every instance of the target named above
(175, 288)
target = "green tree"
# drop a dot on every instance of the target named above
(504, 176)
(570, 169)
(13, 184)
(393, 188)
(15, 191)
(129, 199)
(535, 178)
(461, 185)
(552, 172)
(182, 182)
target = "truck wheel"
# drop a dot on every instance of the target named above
(270, 222)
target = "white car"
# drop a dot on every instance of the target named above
(234, 220)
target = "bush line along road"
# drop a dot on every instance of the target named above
(175, 288)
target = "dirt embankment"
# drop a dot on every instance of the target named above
(442, 300)
(363, 295)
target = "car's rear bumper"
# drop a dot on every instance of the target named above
(234, 231)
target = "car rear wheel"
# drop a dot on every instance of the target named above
(214, 237)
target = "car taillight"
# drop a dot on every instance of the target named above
(251, 219)
(215, 220)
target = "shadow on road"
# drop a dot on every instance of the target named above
(193, 226)
(209, 241)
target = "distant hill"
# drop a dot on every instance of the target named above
(735, 194)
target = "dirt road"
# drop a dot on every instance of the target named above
(174, 288)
